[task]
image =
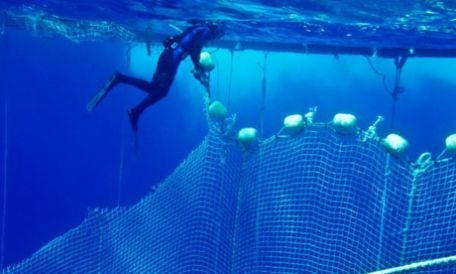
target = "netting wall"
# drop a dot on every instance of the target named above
(432, 229)
(182, 227)
(315, 203)
(320, 203)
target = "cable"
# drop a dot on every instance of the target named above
(263, 94)
(121, 164)
(399, 62)
(231, 77)
(385, 86)
(5, 177)
(128, 55)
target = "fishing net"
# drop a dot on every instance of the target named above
(318, 202)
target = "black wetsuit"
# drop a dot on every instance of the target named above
(190, 42)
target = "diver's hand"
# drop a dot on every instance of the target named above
(198, 74)
(202, 77)
(169, 41)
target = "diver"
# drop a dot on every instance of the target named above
(177, 48)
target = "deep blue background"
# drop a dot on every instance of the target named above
(63, 160)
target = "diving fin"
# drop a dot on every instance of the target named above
(101, 94)
(133, 117)
(135, 142)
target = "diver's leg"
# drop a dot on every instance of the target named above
(157, 89)
(151, 99)
(117, 78)
(134, 113)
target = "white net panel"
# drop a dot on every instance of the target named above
(181, 227)
(432, 230)
(318, 202)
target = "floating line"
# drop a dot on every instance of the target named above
(417, 265)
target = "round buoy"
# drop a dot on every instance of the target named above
(206, 61)
(450, 143)
(247, 135)
(217, 110)
(395, 144)
(344, 123)
(295, 121)
(293, 124)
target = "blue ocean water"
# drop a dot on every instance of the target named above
(62, 160)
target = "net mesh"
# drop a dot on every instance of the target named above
(317, 202)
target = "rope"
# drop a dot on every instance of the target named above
(382, 75)
(5, 177)
(399, 62)
(128, 55)
(121, 164)
(263, 93)
(422, 163)
(231, 77)
(418, 265)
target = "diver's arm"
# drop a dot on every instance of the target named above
(198, 72)
(195, 56)
(199, 39)
(169, 41)
(193, 37)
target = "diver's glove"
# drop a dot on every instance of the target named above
(169, 41)
(202, 77)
